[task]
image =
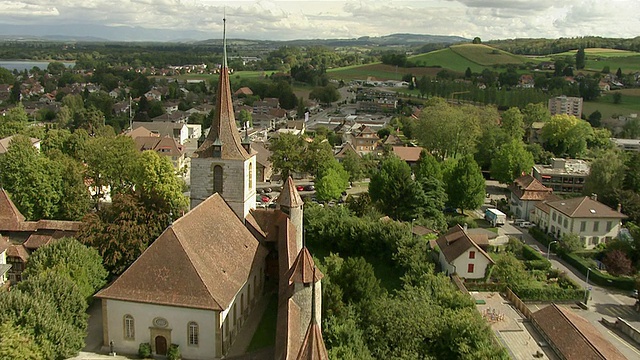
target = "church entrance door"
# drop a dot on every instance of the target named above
(161, 345)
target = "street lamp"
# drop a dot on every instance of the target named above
(587, 286)
(411, 232)
(549, 248)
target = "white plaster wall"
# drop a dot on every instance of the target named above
(574, 226)
(462, 262)
(178, 319)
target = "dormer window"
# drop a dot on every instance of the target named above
(217, 148)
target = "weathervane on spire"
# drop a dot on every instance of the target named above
(224, 40)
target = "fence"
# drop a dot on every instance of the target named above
(518, 304)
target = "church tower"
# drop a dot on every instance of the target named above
(223, 163)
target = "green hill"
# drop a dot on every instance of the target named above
(474, 56)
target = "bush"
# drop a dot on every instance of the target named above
(144, 351)
(537, 264)
(596, 277)
(547, 293)
(174, 352)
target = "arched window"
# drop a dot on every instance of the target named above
(194, 333)
(129, 327)
(217, 179)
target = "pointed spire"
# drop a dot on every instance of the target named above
(224, 41)
(223, 129)
(289, 196)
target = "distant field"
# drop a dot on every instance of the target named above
(600, 52)
(379, 72)
(447, 58)
(627, 64)
(630, 104)
(486, 55)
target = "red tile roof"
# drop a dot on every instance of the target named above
(313, 346)
(585, 207)
(10, 216)
(289, 196)
(304, 269)
(223, 130)
(407, 153)
(456, 242)
(573, 336)
(527, 187)
(201, 261)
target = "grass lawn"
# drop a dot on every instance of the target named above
(486, 55)
(448, 59)
(630, 103)
(626, 63)
(379, 71)
(265, 335)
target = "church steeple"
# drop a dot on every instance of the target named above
(223, 140)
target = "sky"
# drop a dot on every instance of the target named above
(319, 19)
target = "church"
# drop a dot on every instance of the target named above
(198, 283)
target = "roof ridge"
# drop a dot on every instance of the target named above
(584, 198)
(586, 339)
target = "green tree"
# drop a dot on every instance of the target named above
(33, 181)
(446, 130)
(513, 123)
(326, 94)
(245, 117)
(332, 181)
(395, 192)
(56, 337)
(69, 257)
(15, 121)
(15, 96)
(535, 113)
(580, 58)
(110, 164)
(566, 135)
(595, 119)
(632, 173)
(606, 176)
(619, 73)
(428, 166)
(60, 290)
(468, 73)
(317, 156)
(287, 154)
(511, 161)
(156, 181)
(122, 231)
(465, 184)
(476, 40)
(353, 164)
(617, 97)
(17, 343)
(570, 242)
(75, 200)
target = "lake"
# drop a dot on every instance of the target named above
(21, 65)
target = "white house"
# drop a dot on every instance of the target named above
(593, 221)
(526, 192)
(4, 267)
(460, 255)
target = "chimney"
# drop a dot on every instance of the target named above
(619, 207)
(594, 197)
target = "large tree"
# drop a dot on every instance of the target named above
(580, 58)
(67, 256)
(156, 182)
(122, 231)
(513, 123)
(331, 182)
(465, 184)
(446, 130)
(325, 94)
(354, 165)
(511, 161)
(287, 154)
(566, 135)
(606, 176)
(394, 190)
(18, 343)
(33, 181)
(14, 121)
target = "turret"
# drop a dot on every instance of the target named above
(290, 203)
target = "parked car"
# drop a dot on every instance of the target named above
(309, 187)
(300, 188)
(526, 224)
(260, 191)
(517, 222)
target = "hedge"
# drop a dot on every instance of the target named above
(537, 264)
(595, 276)
(547, 293)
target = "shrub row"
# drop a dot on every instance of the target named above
(595, 276)
(547, 293)
(537, 264)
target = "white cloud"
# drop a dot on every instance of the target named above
(278, 20)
